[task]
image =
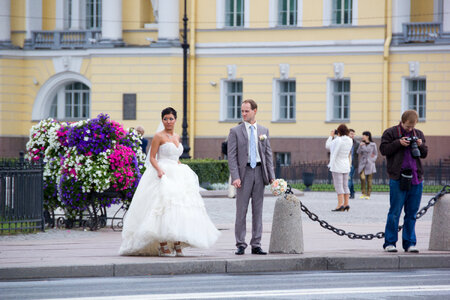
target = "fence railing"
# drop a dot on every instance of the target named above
(319, 177)
(21, 197)
(65, 39)
(421, 32)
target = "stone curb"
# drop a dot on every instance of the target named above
(265, 264)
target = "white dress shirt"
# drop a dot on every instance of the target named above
(255, 130)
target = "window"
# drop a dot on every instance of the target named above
(342, 12)
(54, 108)
(233, 100)
(93, 14)
(341, 100)
(283, 158)
(287, 12)
(417, 95)
(234, 13)
(67, 14)
(76, 101)
(71, 102)
(285, 95)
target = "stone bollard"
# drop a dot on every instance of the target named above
(287, 233)
(440, 225)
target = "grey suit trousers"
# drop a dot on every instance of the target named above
(252, 186)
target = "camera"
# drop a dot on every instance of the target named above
(415, 152)
(335, 131)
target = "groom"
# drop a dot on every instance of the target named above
(251, 168)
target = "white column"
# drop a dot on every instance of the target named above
(59, 15)
(446, 16)
(33, 19)
(401, 12)
(5, 20)
(112, 20)
(168, 21)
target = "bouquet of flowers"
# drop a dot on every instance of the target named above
(278, 187)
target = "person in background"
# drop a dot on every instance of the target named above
(403, 146)
(339, 165)
(144, 144)
(353, 164)
(367, 152)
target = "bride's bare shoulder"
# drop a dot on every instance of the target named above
(158, 137)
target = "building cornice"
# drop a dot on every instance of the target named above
(420, 48)
(327, 47)
(280, 28)
(110, 52)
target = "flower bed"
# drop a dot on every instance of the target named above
(86, 157)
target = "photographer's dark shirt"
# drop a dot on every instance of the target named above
(408, 160)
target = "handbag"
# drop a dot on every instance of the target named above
(406, 179)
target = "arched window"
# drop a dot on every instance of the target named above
(71, 102)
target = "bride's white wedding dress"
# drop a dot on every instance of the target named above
(169, 209)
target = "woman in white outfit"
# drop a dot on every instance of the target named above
(167, 211)
(340, 147)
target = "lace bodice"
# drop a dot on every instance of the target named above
(170, 151)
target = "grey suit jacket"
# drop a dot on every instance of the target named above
(238, 153)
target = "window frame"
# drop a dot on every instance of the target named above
(406, 93)
(234, 14)
(288, 13)
(57, 107)
(277, 99)
(225, 94)
(286, 156)
(342, 13)
(331, 93)
(94, 17)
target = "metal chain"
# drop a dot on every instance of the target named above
(370, 236)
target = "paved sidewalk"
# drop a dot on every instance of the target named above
(78, 253)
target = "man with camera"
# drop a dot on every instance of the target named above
(403, 146)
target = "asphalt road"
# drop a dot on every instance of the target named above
(410, 284)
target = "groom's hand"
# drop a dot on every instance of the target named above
(237, 183)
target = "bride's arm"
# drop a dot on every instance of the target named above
(156, 142)
(179, 141)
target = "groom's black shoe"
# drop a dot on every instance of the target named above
(240, 250)
(258, 250)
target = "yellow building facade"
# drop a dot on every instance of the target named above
(310, 65)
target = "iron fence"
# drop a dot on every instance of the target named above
(316, 176)
(21, 196)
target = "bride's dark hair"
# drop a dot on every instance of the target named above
(168, 111)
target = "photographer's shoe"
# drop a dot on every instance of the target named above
(412, 249)
(390, 248)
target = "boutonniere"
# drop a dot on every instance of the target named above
(262, 137)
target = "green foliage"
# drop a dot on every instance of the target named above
(10, 227)
(209, 170)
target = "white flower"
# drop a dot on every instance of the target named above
(86, 138)
(262, 137)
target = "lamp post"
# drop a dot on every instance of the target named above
(185, 46)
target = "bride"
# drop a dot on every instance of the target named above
(167, 211)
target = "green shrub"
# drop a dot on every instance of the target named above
(209, 170)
